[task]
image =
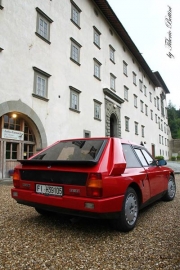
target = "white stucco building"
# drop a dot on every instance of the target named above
(69, 69)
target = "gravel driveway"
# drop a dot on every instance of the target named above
(30, 241)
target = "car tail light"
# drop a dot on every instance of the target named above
(94, 185)
(16, 178)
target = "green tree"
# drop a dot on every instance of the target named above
(174, 120)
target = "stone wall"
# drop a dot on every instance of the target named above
(174, 147)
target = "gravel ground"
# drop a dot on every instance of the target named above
(30, 241)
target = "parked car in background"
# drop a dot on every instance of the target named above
(103, 177)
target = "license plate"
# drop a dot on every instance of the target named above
(49, 190)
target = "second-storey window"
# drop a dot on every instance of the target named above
(40, 83)
(136, 128)
(97, 109)
(43, 25)
(126, 123)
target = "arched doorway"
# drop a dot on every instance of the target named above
(21, 134)
(113, 126)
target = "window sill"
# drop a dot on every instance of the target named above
(75, 24)
(98, 119)
(112, 61)
(97, 78)
(39, 97)
(77, 63)
(97, 45)
(47, 41)
(74, 110)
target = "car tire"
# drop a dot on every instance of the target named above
(129, 213)
(43, 212)
(171, 190)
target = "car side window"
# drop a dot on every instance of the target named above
(148, 157)
(131, 159)
(145, 158)
(141, 157)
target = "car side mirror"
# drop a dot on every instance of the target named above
(161, 162)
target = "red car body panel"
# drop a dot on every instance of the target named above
(112, 178)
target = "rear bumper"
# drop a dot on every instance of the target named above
(107, 208)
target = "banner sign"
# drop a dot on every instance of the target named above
(12, 134)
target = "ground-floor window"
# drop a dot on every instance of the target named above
(11, 150)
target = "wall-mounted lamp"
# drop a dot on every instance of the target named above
(14, 115)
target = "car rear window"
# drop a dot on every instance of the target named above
(75, 150)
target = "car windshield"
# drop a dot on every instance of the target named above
(75, 150)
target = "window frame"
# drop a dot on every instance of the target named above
(142, 106)
(140, 85)
(98, 65)
(136, 128)
(97, 104)
(77, 46)
(125, 65)
(112, 54)
(127, 123)
(135, 101)
(75, 8)
(76, 92)
(126, 89)
(41, 15)
(38, 73)
(134, 78)
(112, 82)
(142, 130)
(96, 37)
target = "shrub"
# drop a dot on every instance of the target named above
(173, 158)
(159, 157)
(178, 157)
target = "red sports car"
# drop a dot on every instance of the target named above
(103, 177)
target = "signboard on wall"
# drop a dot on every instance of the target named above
(12, 134)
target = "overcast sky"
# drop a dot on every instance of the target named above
(154, 27)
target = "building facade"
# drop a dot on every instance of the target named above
(69, 69)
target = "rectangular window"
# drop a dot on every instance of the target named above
(75, 51)
(146, 110)
(11, 150)
(87, 134)
(142, 131)
(96, 37)
(145, 90)
(136, 128)
(125, 68)
(160, 139)
(159, 123)
(97, 66)
(112, 82)
(156, 118)
(151, 114)
(43, 25)
(97, 109)
(75, 14)
(140, 85)
(155, 102)
(126, 93)
(74, 98)
(112, 53)
(40, 83)
(142, 105)
(150, 96)
(126, 123)
(135, 101)
(134, 78)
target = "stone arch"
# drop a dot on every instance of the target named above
(30, 116)
(112, 114)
